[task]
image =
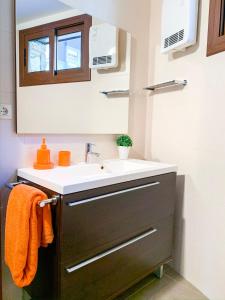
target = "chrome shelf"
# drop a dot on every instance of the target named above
(172, 83)
(116, 93)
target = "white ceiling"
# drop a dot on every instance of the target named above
(27, 10)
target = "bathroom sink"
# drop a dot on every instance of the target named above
(80, 177)
(78, 171)
(124, 166)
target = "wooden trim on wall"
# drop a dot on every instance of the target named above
(216, 41)
(43, 77)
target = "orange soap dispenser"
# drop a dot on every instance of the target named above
(43, 158)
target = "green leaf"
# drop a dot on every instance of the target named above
(124, 141)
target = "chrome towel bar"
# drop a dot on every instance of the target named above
(52, 201)
(42, 203)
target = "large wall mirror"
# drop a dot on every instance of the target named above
(73, 71)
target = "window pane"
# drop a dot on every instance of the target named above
(69, 51)
(38, 55)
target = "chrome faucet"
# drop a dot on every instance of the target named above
(89, 151)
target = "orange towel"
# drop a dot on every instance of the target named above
(27, 228)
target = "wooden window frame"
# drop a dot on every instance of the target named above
(83, 24)
(216, 38)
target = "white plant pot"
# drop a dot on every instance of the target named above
(123, 152)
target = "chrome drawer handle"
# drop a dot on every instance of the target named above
(71, 204)
(115, 249)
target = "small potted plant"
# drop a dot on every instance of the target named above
(124, 143)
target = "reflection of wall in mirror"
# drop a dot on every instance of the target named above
(79, 106)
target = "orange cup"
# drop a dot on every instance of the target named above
(64, 158)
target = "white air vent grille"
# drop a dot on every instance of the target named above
(102, 60)
(174, 38)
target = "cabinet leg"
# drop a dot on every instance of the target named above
(159, 272)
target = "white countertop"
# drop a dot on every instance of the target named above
(80, 177)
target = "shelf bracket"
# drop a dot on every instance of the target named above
(168, 84)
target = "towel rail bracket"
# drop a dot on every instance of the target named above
(52, 201)
(42, 203)
(13, 184)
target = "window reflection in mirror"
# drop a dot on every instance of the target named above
(55, 52)
(38, 55)
(69, 51)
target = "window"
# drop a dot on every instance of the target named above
(216, 31)
(39, 53)
(57, 52)
(69, 51)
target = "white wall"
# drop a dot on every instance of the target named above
(76, 107)
(186, 127)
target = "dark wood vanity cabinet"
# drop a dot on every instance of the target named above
(107, 239)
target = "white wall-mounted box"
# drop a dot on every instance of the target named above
(179, 24)
(103, 46)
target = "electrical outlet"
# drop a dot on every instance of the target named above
(5, 111)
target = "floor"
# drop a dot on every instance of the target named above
(171, 287)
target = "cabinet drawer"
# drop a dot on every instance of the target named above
(93, 224)
(107, 275)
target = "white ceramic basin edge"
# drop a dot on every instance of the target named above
(83, 176)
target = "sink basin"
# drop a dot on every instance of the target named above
(83, 176)
(124, 166)
(77, 172)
